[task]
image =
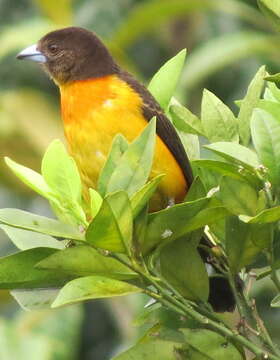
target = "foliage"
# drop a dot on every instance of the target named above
(114, 246)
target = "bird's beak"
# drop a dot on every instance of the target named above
(32, 53)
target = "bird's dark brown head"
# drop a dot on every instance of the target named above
(71, 54)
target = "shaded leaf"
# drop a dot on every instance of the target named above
(212, 345)
(18, 271)
(111, 229)
(35, 299)
(196, 191)
(275, 301)
(142, 196)
(180, 258)
(83, 261)
(92, 287)
(271, 9)
(163, 83)
(264, 217)
(244, 242)
(238, 196)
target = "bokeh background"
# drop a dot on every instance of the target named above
(227, 41)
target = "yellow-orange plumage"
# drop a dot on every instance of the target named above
(94, 111)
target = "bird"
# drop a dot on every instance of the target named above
(99, 100)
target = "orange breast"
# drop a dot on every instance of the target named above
(94, 111)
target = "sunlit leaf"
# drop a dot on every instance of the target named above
(95, 202)
(217, 119)
(249, 103)
(25, 220)
(163, 83)
(135, 164)
(184, 120)
(266, 138)
(92, 287)
(25, 239)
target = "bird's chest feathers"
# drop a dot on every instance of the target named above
(93, 112)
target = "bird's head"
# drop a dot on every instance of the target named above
(71, 54)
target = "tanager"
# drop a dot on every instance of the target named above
(100, 100)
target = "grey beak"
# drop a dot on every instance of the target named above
(31, 53)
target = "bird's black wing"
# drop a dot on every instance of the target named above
(165, 130)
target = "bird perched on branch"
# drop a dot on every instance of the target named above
(99, 100)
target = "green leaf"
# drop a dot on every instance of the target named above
(163, 83)
(275, 301)
(184, 120)
(119, 146)
(35, 299)
(25, 239)
(266, 138)
(95, 202)
(92, 287)
(244, 242)
(61, 173)
(25, 220)
(271, 9)
(179, 258)
(153, 349)
(191, 144)
(249, 103)
(274, 90)
(196, 191)
(171, 223)
(83, 261)
(272, 107)
(18, 271)
(135, 165)
(142, 196)
(264, 217)
(211, 345)
(217, 119)
(235, 153)
(31, 178)
(111, 229)
(238, 196)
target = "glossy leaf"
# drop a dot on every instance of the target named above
(119, 146)
(25, 239)
(217, 119)
(238, 196)
(180, 258)
(249, 103)
(83, 261)
(18, 271)
(111, 229)
(184, 120)
(266, 138)
(235, 153)
(135, 165)
(163, 83)
(25, 220)
(92, 287)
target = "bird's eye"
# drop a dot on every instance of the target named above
(53, 48)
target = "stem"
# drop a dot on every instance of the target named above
(186, 309)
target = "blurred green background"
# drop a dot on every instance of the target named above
(227, 41)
